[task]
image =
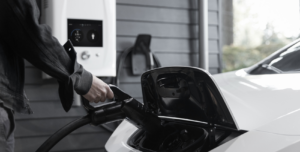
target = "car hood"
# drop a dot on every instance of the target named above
(282, 135)
(186, 93)
(260, 142)
(255, 100)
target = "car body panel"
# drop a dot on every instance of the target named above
(256, 100)
(118, 140)
(288, 124)
(280, 135)
(256, 141)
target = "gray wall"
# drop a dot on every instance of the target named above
(173, 25)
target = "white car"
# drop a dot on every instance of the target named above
(252, 109)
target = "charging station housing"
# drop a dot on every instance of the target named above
(91, 27)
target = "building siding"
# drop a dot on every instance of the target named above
(173, 25)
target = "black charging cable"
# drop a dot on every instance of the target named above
(124, 106)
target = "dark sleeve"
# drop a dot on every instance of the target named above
(20, 29)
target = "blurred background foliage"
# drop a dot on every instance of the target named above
(237, 56)
(258, 32)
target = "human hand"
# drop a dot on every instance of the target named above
(99, 91)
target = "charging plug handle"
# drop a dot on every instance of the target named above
(133, 110)
(140, 117)
(108, 114)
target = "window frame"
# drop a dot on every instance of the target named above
(257, 68)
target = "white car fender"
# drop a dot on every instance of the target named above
(280, 135)
(258, 141)
(118, 140)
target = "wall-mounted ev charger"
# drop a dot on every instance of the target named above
(91, 27)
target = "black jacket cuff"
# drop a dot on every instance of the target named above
(80, 80)
(83, 82)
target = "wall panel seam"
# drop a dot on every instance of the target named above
(161, 22)
(165, 37)
(167, 7)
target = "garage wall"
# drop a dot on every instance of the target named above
(173, 26)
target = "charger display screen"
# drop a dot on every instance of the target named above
(85, 33)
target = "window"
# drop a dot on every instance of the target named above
(286, 61)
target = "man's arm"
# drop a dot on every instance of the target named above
(21, 31)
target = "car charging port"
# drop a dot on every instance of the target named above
(181, 136)
(175, 137)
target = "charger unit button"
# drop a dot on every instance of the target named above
(85, 55)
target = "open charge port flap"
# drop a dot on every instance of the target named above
(195, 115)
